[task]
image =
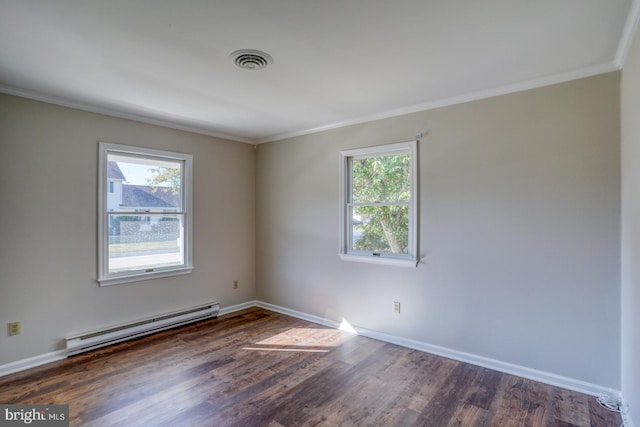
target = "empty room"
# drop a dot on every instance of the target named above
(303, 213)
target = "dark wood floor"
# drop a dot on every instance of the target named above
(259, 368)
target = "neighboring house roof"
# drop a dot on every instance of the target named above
(145, 196)
(114, 172)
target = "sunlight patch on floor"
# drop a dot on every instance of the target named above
(303, 350)
(315, 340)
(346, 326)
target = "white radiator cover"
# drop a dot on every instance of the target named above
(96, 339)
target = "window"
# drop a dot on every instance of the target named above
(379, 204)
(131, 246)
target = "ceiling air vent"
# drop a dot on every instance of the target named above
(249, 59)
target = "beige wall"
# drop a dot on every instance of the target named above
(631, 230)
(48, 183)
(519, 227)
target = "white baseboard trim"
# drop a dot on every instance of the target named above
(496, 365)
(42, 359)
(298, 314)
(32, 362)
(237, 307)
(624, 412)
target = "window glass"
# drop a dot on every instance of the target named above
(379, 202)
(382, 178)
(144, 215)
(380, 229)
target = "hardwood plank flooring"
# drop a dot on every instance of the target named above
(259, 368)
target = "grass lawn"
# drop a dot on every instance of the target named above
(121, 248)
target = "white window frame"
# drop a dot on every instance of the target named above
(406, 260)
(104, 277)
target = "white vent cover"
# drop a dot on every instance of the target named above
(249, 59)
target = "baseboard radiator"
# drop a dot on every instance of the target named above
(92, 340)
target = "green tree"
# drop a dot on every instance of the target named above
(383, 184)
(170, 177)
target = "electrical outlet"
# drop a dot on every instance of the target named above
(235, 284)
(396, 307)
(13, 328)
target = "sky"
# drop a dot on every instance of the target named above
(135, 173)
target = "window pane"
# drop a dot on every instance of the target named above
(145, 242)
(381, 179)
(143, 184)
(380, 229)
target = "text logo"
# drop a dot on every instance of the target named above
(34, 415)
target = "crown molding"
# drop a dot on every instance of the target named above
(629, 31)
(119, 114)
(459, 99)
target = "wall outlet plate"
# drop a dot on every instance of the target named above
(13, 328)
(396, 307)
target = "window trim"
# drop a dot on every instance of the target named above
(412, 258)
(106, 279)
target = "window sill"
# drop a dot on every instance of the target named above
(371, 259)
(143, 276)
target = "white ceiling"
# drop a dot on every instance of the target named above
(336, 62)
